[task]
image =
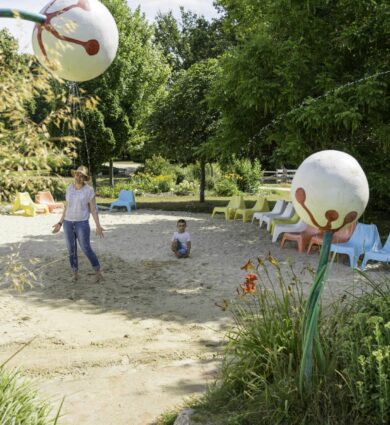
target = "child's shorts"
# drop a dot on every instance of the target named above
(181, 249)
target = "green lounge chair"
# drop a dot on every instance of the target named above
(236, 202)
(261, 205)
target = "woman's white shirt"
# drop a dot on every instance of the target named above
(77, 202)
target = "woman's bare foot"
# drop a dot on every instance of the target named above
(98, 276)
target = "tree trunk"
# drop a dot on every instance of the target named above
(94, 181)
(202, 180)
(111, 173)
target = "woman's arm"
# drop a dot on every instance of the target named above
(95, 215)
(57, 226)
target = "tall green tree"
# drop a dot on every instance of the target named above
(191, 39)
(182, 122)
(307, 76)
(27, 149)
(128, 89)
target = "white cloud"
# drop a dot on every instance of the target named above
(22, 30)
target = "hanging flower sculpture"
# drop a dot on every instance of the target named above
(329, 191)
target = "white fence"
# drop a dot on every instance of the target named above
(282, 175)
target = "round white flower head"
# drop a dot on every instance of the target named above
(330, 190)
(78, 41)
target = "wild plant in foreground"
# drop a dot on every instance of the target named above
(259, 381)
(19, 401)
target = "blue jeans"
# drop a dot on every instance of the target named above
(181, 249)
(79, 230)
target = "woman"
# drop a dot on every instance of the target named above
(80, 202)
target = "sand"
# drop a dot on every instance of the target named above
(127, 349)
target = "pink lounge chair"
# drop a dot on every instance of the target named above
(340, 236)
(46, 198)
(302, 238)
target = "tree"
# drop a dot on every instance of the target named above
(307, 76)
(27, 149)
(191, 40)
(182, 123)
(128, 89)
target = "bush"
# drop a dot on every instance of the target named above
(12, 183)
(20, 403)
(157, 165)
(186, 188)
(250, 174)
(260, 375)
(226, 186)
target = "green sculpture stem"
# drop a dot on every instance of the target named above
(310, 323)
(21, 14)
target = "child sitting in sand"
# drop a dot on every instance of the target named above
(181, 240)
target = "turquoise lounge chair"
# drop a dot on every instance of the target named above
(126, 199)
(377, 253)
(363, 239)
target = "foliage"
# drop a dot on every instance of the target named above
(307, 76)
(27, 145)
(157, 165)
(182, 123)
(264, 349)
(226, 185)
(186, 188)
(194, 39)
(20, 402)
(10, 183)
(365, 355)
(128, 88)
(250, 174)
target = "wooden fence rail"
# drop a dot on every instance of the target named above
(282, 175)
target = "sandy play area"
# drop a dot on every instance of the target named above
(127, 349)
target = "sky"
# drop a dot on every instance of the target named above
(22, 30)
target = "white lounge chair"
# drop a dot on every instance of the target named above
(282, 228)
(277, 209)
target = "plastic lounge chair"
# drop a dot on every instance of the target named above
(287, 213)
(23, 202)
(236, 202)
(280, 228)
(302, 238)
(363, 239)
(276, 210)
(261, 205)
(126, 199)
(46, 198)
(340, 236)
(378, 254)
(292, 220)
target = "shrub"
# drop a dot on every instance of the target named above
(20, 402)
(260, 375)
(250, 174)
(226, 186)
(12, 183)
(157, 165)
(186, 188)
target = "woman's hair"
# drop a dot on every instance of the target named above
(181, 220)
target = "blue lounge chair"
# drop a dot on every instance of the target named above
(126, 199)
(363, 239)
(377, 253)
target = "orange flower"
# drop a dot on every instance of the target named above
(248, 287)
(248, 266)
(251, 277)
